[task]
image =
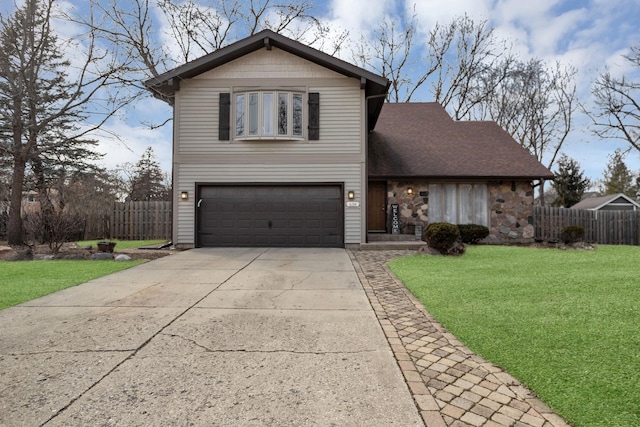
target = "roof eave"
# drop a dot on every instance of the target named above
(464, 177)
(165, 85)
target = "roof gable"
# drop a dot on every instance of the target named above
(269, 64)
(165, 85)
(422, 140)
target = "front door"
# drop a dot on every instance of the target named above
(377, 206)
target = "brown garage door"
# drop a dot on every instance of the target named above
(274, 215)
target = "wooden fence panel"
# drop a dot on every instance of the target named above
(141, 220)
(604, 227)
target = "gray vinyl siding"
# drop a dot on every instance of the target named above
(337, 157)
(340, 129)
(268, 64)
(346, 174)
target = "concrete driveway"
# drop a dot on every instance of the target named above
(205, 337)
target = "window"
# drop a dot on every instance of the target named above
(269, 115)
(240, 114)
(459, 203)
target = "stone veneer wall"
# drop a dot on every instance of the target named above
(413, 208)
(510, 208)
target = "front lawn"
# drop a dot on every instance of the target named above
(566, 323)
(25, 280)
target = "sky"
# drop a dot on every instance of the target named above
(589, 35)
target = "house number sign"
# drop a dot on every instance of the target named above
(395, 219)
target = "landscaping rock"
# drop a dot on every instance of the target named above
(22, 255)
(43, 257)
(7, 253)
(99, 256)
(122, 257)
(73, 257)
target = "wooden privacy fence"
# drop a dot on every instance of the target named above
(141, 220)
(604, 227)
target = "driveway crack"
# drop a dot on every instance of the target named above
(244, 350)
(136, 350)
(87, 351)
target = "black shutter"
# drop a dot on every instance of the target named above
(224, 116)
(314, 116)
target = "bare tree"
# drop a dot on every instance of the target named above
(457, 56)
(154, 36)
(534, 102)
(42, 92)
(617, 102)
(200, 27)
(474, 75)
(390, 54)
(477, 52)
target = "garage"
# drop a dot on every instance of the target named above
(270, 216)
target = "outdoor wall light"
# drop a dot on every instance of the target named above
(351, 195)
(184, 195)
(410, 191)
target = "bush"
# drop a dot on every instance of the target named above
(443, 237)
(54, 228)
(572, 234)
(472, 233)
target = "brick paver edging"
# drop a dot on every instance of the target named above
(451, 385)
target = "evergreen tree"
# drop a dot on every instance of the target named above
(569, 182)
(148, 182)
(617, 177)
(635, 190)
(41, 106)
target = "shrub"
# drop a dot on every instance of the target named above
(572, 234)
(472, 233)
(443, 237)
(54, 228)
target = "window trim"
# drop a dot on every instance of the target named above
(292, 122)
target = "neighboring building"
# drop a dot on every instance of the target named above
(610, 202)
(278, 144)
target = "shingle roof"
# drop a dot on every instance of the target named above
(595, 203)
(422, 140)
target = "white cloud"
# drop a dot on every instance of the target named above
(132, 141)
(359, 16)
(432, 11)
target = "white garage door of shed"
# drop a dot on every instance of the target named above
(270, 216)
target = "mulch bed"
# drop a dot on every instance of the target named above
(70, 251)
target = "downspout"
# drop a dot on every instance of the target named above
(366, 162)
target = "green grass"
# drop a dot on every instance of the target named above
(23, 281)
(122, 244)
(565, 323)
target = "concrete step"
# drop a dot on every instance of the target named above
(383, 237)
(392, 245)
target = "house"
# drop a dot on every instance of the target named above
(279, 144)
(610, 202)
